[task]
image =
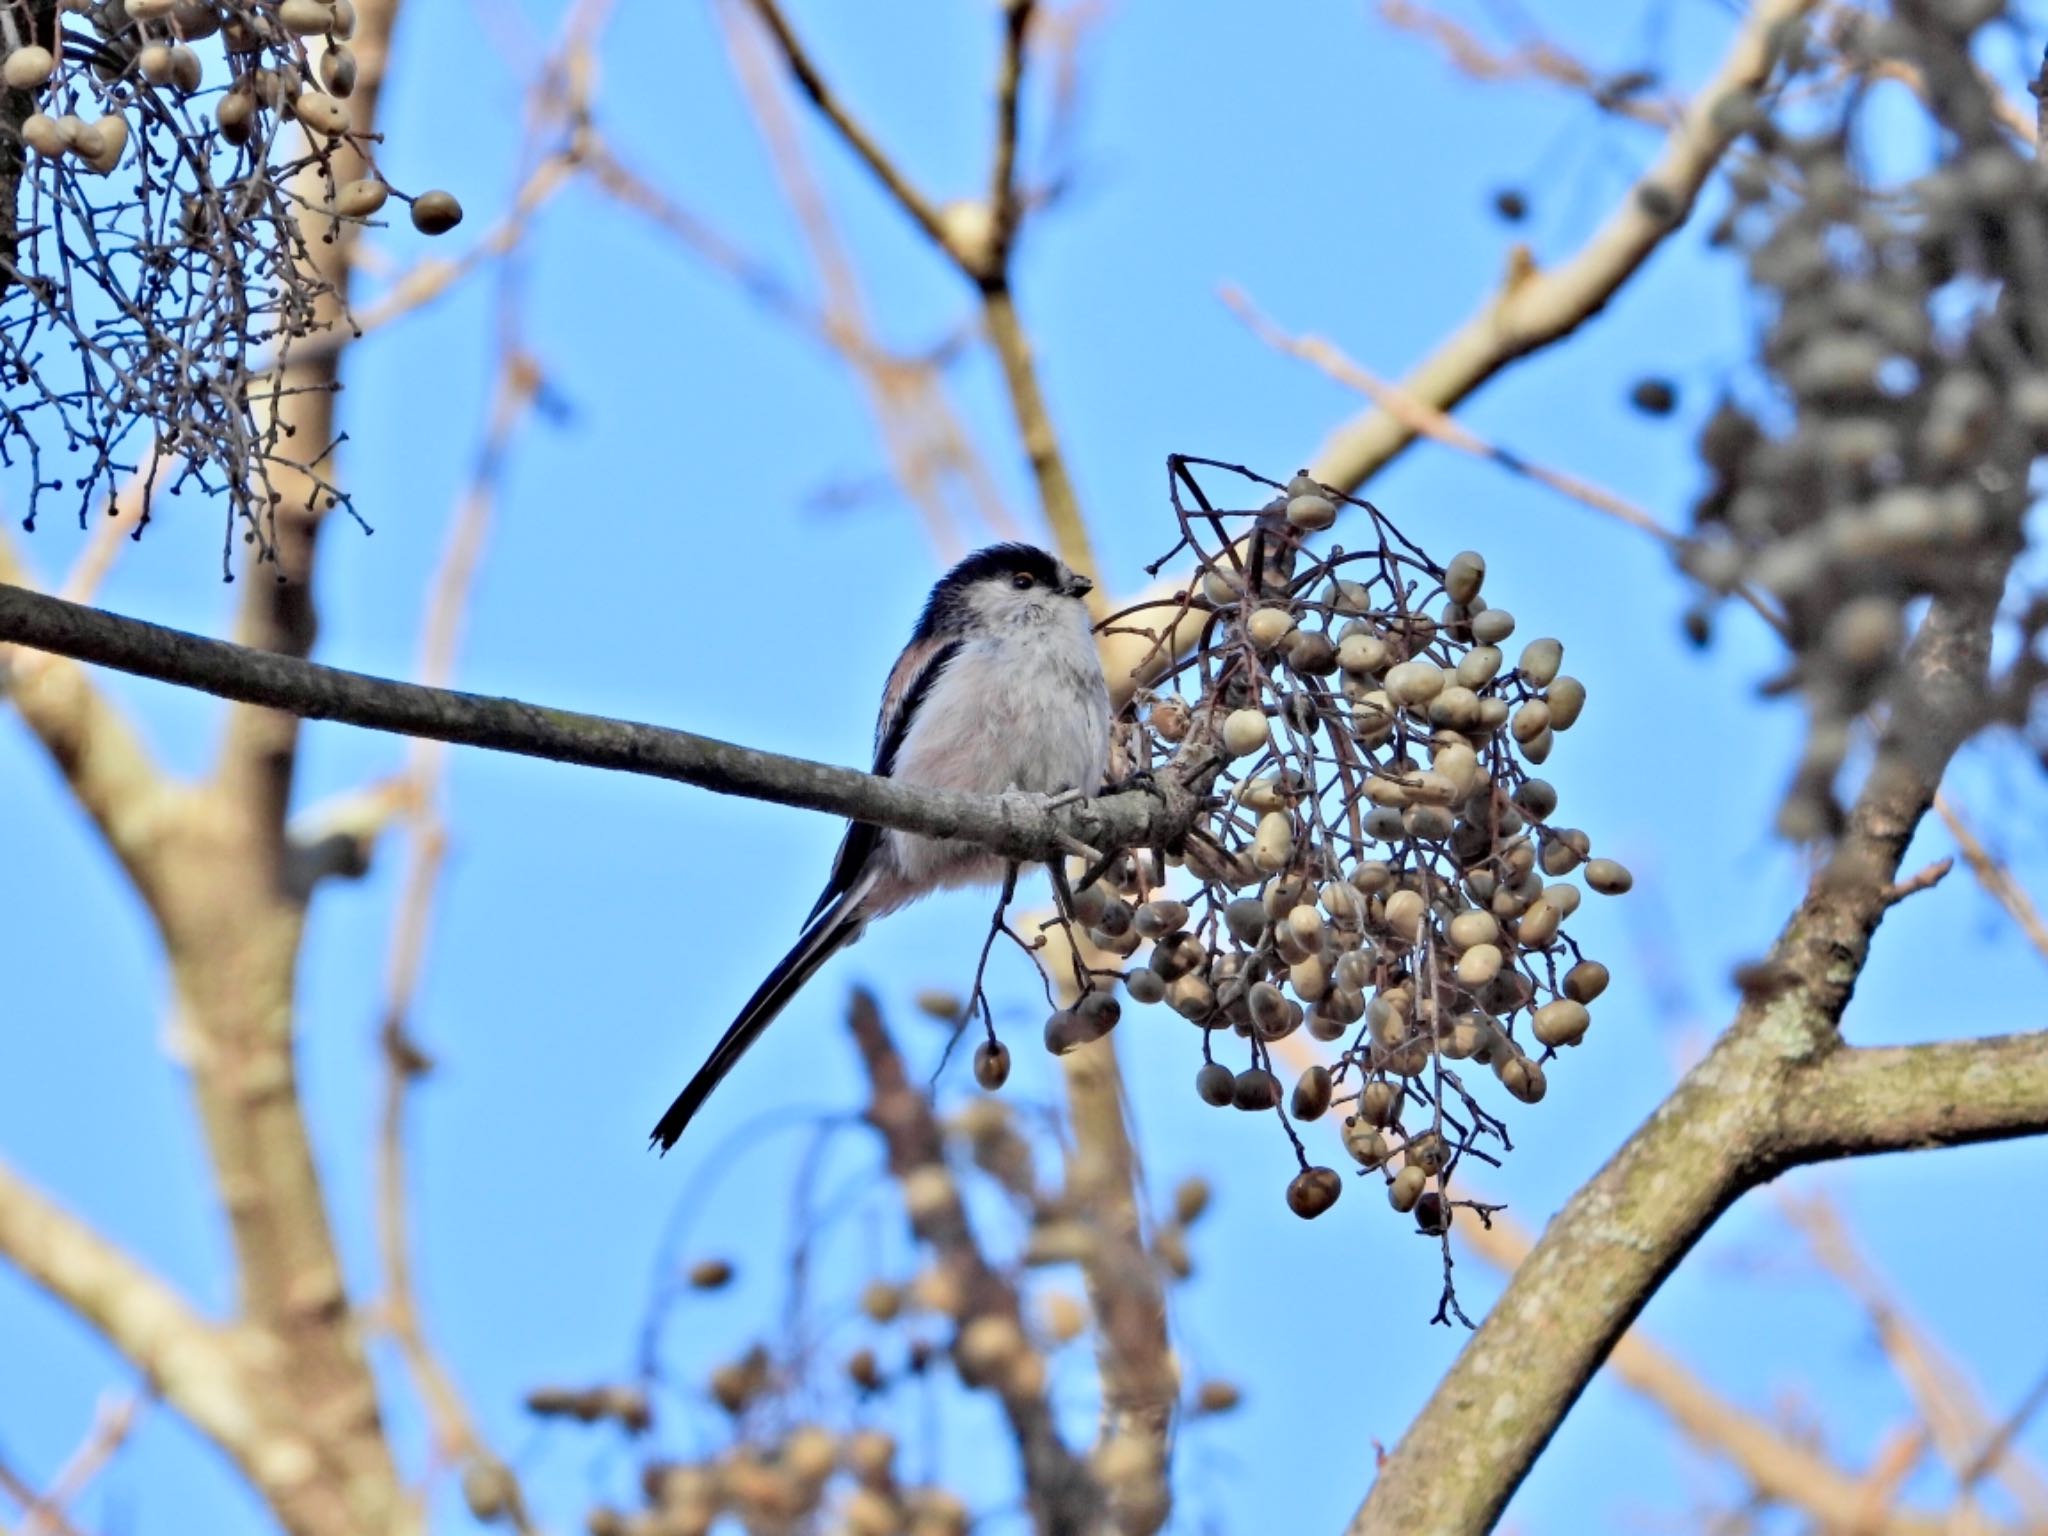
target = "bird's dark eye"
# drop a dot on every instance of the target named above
(1021, 581)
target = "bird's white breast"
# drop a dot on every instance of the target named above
(1024, 707)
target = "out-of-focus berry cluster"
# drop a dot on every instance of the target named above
(167, 168)
(1903, 325)
(820, 1428)
(1379, 870)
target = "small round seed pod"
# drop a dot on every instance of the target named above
(1273, 846)
(1457, 707)
(1313, 1191)
(1311, 1096)
(1427, 1152)
(1561, 1023)
(1311, 653)
(1608, 876)
(1373, 876)
(360, 199)
(1530, 721)
(1379, 1103)
(1415, 682)
(187, 73)
(1427, 823)
(1585, 981)
(108, 141)
(1432, 1214)
(1479, 666)
(305, 18)
(1561, 856)
(1406, 1188)
(1493, 714)
(1341, 900)
(1256, 1089)
(710, 1275)
(344, 26)
(1311, 513)
(1309, 978)
(1566, 697)
(1537, 925)
(1267, 627)
(1065, 1032)
(1145, 985)
(1352, 598)
(1099, 1011)
(1364, 1143)
(26, 68)
(43, 134)
(322, 114)
(1470, 928)
(1246, 919)
(1306, 923)
(1245, 731)
(1156, 919)
(1462, 577)
(1405, 911)
(235, 114)
(1361, 655)
(1283, 894)
(1521, 1077)
(991, 1064)
(435, 213)
(1216, 1084)
(193, 20)
(1492, 626)
(1458, 765)
(1479, 965)
(1540, 661)
(1537, 748)
(1537, 798)
(1354, 972)
(1563, 897)
(338, 71)
(1222, 585)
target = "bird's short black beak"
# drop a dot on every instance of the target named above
(1079, 586)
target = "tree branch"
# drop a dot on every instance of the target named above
(95, 748)
(192, 1363)
(1526, 315)
(849, 128)
(1019, 827)
(1859, 1101)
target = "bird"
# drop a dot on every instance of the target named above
(1000, 689)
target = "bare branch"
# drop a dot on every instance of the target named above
(857, 138)
(1861, 1101)
(1532, 311)
(190, 1362)
(1993, 875)
(1018, 826)
(95, 748)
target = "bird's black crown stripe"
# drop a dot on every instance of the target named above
(941, 610)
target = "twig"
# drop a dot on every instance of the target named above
(1526, 316)
(111, 1423)
(1996, 878)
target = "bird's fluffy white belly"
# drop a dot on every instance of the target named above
(1027, 711)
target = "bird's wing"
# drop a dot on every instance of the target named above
(910, 682)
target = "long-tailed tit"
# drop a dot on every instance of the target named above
(999, 689)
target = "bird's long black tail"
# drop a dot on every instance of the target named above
(832, 932)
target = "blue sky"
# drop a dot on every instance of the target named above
(595, 932)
